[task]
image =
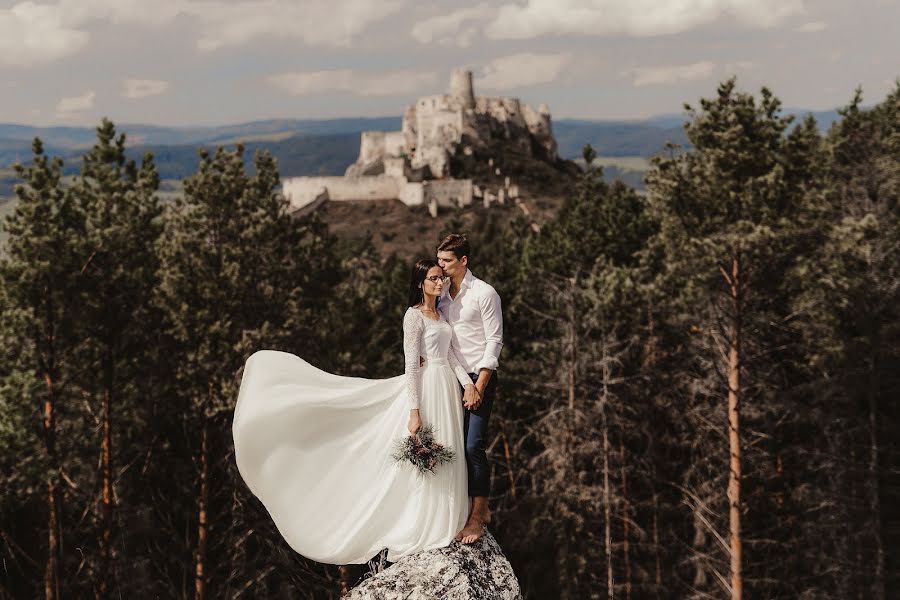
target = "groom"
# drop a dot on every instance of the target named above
(472, 307)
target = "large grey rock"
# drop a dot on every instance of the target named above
(457, 572)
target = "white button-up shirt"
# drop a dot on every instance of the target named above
(477, 323)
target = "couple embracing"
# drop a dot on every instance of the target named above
(316, 448)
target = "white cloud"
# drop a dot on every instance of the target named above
(669, 75)
(812, 27)
(360, 83)
(141, 88)
(457, 28)
(32, 33)
(741, 65)
(121, 12)
(522, 70)
(632, 17)
(316, 22)
(66, 106)
(36, 33)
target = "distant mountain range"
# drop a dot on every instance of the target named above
(327, 147)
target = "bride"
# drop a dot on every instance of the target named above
(315, 448)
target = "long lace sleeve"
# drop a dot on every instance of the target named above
(458, 369)
(412, 349)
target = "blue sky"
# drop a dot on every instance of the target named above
(209, 62)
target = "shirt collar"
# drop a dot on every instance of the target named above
(468, 280)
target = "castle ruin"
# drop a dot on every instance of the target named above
(413, 165)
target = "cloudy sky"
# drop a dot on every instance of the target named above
(210, 62)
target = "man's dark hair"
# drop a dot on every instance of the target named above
(455, 243)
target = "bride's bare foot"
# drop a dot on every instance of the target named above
(459, 536)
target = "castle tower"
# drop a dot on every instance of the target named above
(461, 87)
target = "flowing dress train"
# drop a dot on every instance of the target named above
(315, 448)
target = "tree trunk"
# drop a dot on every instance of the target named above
(573, 356)
(54, 528)
(51, 572)
(878, 589)
(650, 359)
(625, 520)
(509, 467)
(607, 526)
(656, 541)
(202, 503)
(344, 574)
(734, 441)
(564, 577)
(106, 467)
(607, 495)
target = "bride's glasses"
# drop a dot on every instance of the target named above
(435, 278)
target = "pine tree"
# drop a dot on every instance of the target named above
(238, 274)
(571, 302)
(122, 224)
(41, 279)
(851, 327)
(726, 211)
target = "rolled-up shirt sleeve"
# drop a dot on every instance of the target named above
(492, 321)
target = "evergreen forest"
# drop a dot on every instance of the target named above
(699, 387)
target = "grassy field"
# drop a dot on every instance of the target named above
(623, 163)
(629, 169)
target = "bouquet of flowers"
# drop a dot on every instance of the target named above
(422, 451)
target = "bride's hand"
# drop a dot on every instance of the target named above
(415, 421)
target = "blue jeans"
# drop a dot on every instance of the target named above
(475, 424)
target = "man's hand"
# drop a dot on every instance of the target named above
(471, 397)
(484, 376)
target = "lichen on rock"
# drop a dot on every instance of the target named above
(457, 572)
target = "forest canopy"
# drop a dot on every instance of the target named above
(699, 384)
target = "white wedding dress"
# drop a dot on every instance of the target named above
(316, 449)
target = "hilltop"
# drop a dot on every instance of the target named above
(327, 146)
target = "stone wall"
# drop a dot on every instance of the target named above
(412, 193)
(394, 167)
(301, 191)
(409, 129)
(306, 192)
(371, 146)
(461, 87)
(394, 143)
(539, 124)
(438, 126)
(503, 118)
(503, 109)
(374, 145)
(449, 192)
